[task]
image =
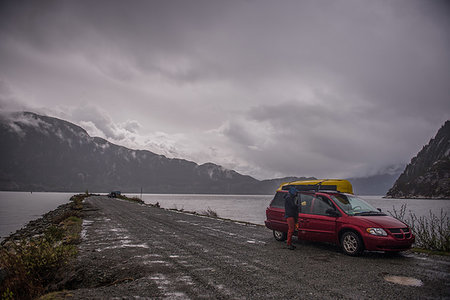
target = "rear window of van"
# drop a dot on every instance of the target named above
(278, 200)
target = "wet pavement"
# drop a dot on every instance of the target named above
(131, 250)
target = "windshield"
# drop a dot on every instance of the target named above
(355, 206)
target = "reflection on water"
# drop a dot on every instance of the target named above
(18, 208)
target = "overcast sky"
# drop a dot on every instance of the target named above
(336, 88)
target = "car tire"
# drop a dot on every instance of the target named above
(351, 243)
(279, 235)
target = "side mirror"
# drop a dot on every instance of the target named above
(331, 212)
(379, 209)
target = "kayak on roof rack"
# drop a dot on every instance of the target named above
(339, 185)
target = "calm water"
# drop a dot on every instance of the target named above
(18, 208)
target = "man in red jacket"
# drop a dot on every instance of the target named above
(291, 214)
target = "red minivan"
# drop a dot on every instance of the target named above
(342, 219)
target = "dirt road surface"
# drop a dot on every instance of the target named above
(130, 251)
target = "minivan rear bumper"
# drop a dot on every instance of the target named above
(275, 225)
(387, 243)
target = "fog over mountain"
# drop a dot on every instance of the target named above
(332, 88)
(42, 153)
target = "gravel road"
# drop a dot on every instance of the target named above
(130, 250)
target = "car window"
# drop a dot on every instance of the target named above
(354, 206)
(320, 205)
(305, 203)
(278, 200)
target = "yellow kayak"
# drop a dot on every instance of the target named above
(340, 185)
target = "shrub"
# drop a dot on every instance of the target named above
(432, 232)
(209, 212)
(31, 264)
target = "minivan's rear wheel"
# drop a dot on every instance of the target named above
(351, 243)
(279, 235)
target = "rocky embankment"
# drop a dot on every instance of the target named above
(428, 174)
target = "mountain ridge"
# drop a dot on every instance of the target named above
(428, 173)
(48, 154)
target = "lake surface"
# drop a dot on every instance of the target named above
(18, 208)
(252, 208)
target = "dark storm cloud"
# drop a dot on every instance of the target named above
(327, 138)
(350, 86)
(116, 35)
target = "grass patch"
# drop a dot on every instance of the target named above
(77, 201)
(72, 228)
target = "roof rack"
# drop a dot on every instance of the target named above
(312, 187)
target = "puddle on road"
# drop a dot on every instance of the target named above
(409, 281)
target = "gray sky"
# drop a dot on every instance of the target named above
(334, 88)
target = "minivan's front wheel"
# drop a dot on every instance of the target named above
(279, 235)
(351, 243)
